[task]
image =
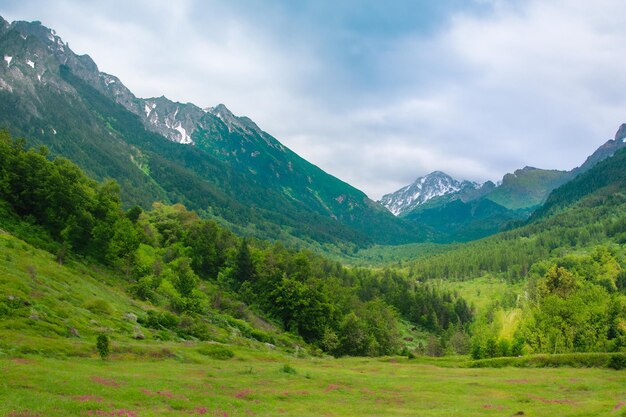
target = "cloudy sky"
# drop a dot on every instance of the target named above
(375, 92)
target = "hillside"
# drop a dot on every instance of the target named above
(158, 150)
(459, 221)
(580, 214)
(565, 270)
(197, 275)
(527, 187)
(607, 179)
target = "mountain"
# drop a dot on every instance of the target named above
(456, 220)
(606, 150)
(423, 189)
(212, 161)
(451, 212)
(606, 181)
(527, 187)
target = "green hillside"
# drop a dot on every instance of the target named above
(566, 269)
(235, 172)
(460, 221)
(527, 187)
(196, 273)
(607, 180)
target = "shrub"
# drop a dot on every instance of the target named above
(193, 327)
(99, 306)
(162, 320)
(103, 345)
(491, 349)
(477, 351)
(216, 351)
(288, 369)
(575, 360)
(617, 361)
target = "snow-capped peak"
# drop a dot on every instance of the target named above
(424, 188)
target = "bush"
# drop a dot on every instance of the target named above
(193, 327)
(574, 360)
(477, 351)
(216, 351)
(617, 361)
(99, 306)
(160, 320)
(103, 346)
(288, 369)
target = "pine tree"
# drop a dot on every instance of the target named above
(244, 267)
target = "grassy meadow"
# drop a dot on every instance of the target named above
(181, 381)
(51, 314)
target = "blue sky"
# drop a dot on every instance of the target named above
(376, 93)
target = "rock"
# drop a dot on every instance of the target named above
(130, 317)
(138, 334)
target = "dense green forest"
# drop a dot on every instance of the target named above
(569, 263)
(191, 267)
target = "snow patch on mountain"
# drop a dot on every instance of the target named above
(185, 138)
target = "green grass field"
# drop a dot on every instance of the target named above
(50, 315)
(255, 383)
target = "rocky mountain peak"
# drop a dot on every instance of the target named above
(620, 135)
(232, 122)
(605, 151)
(435, 184)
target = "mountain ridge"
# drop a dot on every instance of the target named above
(524, 188)
(41, 72)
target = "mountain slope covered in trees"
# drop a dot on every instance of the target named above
(570, 262)
(222, 165)
(188, 272)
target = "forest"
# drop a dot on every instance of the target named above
(570, 265)
(191, 266)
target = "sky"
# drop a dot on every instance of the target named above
(376, 93)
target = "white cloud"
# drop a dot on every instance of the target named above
(537, 86)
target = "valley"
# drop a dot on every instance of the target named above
(159, 258)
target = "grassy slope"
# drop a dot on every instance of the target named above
(43, 298)
(58, 310)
